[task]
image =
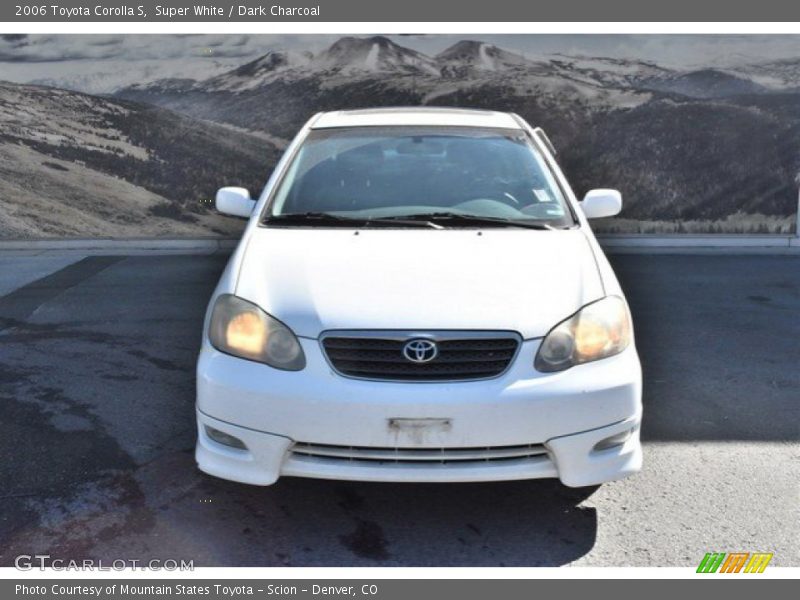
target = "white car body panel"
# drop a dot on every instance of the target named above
(318, 280)
(308, 277)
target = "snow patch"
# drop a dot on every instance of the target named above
(371, 62)
(486, 61)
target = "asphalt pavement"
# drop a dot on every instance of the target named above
(97, 432)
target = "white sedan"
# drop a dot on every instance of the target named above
(418, 297)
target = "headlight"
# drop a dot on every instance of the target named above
(242, 329)
(596, 331)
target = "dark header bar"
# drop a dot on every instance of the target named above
(399, 11)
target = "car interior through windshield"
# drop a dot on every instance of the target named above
(398, 172)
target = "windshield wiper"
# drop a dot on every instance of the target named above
(451, 218)
(410, 222)
(323, 218)
(311, 217)
(434, 220)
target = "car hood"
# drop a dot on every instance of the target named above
(521, 280)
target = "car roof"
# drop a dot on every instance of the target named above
(447, 117)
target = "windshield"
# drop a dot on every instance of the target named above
(372, 173)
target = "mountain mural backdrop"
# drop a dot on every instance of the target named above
(693, 150)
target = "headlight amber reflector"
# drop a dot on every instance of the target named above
(599, 330)
(242, 329)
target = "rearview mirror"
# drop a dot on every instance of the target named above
(601, 203)
(235, 201)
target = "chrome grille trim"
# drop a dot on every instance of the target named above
(376, 355)
(417, 456)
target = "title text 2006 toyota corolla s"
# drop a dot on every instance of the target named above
(418, 297)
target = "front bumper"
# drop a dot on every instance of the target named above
(275, 412)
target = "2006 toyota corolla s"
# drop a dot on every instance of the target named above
(418, 297)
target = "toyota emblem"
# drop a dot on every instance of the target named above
(420, 351)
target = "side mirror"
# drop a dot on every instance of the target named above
(601, 203)
(235, 201)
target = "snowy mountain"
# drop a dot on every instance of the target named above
(375, 70)
(703, 149)
(371, 71)
(681, 145)
(468, 55)
(256, 73)
(375, 54)
(379, 62)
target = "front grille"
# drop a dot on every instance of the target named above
(417, 456)
(460, 356)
